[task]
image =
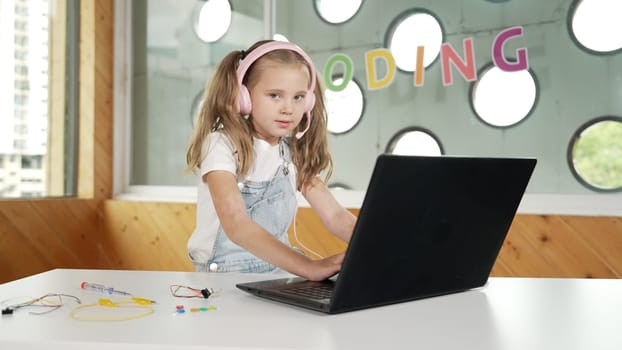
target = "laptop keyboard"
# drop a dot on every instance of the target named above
(320, 291)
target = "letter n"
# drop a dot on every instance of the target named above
(449, 56)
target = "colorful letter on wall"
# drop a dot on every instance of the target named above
(347, 74)
(497, 51)
(466, 69)
(419, 69)
(371, 57)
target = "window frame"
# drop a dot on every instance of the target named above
(324, 20)
(480, 74)
(395, 23)
(569, 18)
(390, 147)
(355, 81)
(576, 136)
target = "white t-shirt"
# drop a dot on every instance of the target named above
(218, 154)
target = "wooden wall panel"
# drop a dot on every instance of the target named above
(603, 236)
(153, 236)
(308, 234)
(561, 246)
(39, 235)
(536, 245)
(521, 258)
(147, 236)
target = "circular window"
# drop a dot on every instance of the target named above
(336, 12)
(503, 99)
(417, 27)
(279, 37)
(345, 108)
(213, 20)
(595, 154)
(595, 25)
(415, 142)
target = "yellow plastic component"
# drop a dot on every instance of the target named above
(142, 301)
(107, 302)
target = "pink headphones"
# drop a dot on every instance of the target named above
(244, 98)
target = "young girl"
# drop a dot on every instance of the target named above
(260, 137)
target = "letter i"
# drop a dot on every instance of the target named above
(419, 70)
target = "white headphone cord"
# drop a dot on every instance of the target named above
(302, 244)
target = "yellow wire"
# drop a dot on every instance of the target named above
(105, 303)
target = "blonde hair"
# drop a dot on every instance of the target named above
(219, 113)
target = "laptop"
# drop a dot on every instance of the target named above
(428, 226)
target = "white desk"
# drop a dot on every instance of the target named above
(508, 313)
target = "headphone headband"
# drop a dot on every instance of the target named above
(256, 53)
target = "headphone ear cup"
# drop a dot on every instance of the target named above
(310, 102)
(244, 101)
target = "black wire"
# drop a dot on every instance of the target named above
(12, 308)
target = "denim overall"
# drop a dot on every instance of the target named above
(271, 204)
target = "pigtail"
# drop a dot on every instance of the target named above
(219, 113)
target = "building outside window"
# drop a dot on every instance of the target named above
(29, 65)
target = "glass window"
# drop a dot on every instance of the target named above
(417, 27)
(337, 11)
(415, 142)
(170, 67)
(32, 162)
(345, 107)
(595, 154)
(503, 99)
(596, 26)
(212, 20)
(37, 92)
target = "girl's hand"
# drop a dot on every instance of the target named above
(324, 268)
